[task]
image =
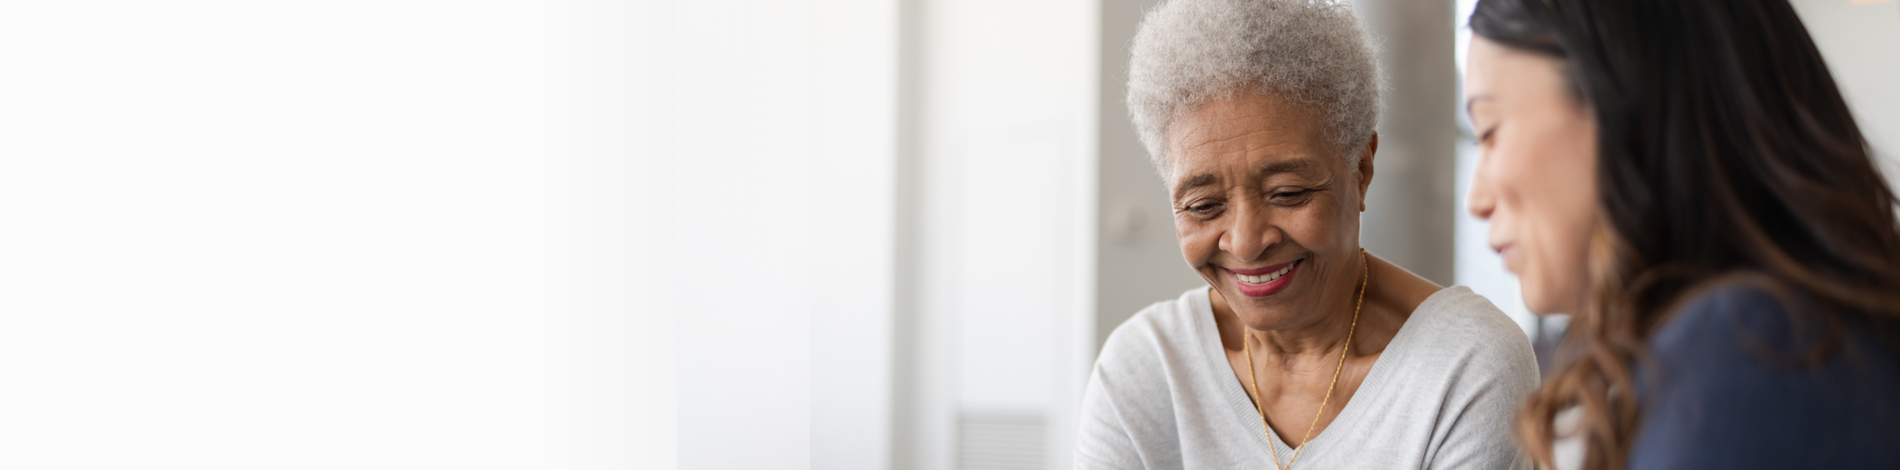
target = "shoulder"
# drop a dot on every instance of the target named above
(1156, 333)
(1459, 308)
(1714, 323)
(1717, 338)
(1126, 409)
(1143, 364)
(1458, 323)
(1738, 333)
(1462, 362)
(1459, 352)
(1730, 379)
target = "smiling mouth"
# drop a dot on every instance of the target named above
(1266, 281)
(1266, 278)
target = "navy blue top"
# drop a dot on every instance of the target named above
(1734, 392)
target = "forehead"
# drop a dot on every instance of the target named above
(1480, 59)
(1253, 133)
(1497, 73)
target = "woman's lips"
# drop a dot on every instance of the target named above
(1281, 276)
(1504, 254)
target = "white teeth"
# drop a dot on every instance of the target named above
(1265, 278)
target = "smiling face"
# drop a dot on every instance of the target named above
(1536, 182)
(1265, 208)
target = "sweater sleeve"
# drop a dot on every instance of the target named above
(1476, 425)
(1126, 422)
(1102, 441)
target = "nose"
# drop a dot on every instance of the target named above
(1250, 232)
(1481, 201)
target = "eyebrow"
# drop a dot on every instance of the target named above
(1195, 182)
(1286, 166)
(1297, 165)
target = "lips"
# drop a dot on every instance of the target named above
(1504, 251)
(1262, 282)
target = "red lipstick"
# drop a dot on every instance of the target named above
(1268, 288)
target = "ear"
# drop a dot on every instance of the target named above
(1365, 168)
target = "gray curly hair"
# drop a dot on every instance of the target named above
(1314, 52)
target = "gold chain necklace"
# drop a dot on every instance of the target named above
(1365, 276)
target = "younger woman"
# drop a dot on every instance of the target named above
(1684, 179)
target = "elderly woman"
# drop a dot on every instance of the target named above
(1305, 350)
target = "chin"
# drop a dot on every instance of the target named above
(1537, 309)
(1542, 303)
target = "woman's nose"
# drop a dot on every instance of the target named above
(1480, 201)
(1250, 234)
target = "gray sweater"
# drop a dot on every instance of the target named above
(1442, 396)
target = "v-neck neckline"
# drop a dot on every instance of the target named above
(1246, 413)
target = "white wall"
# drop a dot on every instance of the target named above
(316, 235)
(999, 111)
(402, 234)
(1858, 39)
(1138, 261)
(772, 193)
(1412, 197)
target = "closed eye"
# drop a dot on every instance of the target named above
(1291, 198)
(1202, 210)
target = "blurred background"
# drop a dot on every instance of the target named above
(835, 234)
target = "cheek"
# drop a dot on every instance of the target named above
(1569, 216)
(1198, 240)
(1320, 224)
(1511, 176)
(1552, 210)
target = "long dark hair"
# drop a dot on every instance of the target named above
(1725, 155)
